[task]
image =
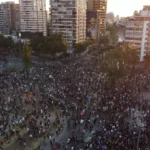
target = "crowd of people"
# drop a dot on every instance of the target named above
(74, 93)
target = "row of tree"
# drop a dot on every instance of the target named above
(115, 61)
(82, 46)
(26, 56)
(51, 44)
(6, 42)
(113, 29)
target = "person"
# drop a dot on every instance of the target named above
(79, 82)
(24, 143)
(72, 147)
(53, 147)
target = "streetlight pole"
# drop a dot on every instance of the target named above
(20, 45)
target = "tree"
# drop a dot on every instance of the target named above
(6, 42)
(26, 56)
(136, 13)
(81, 47)
(36, 43)
(113, 65)
(52, 44)
(113, 31)
(130, 54)
(59, 45)
(9, 41)
(104, 40)
(115, 61)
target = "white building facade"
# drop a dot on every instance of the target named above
(5, 18)
(68, 17)
(33, 16)
(2, 15)
(136, 32)
(145, 12)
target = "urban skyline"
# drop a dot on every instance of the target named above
(74, 77)
(136, 31)
(121, 8)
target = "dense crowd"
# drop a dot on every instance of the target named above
(75, 92)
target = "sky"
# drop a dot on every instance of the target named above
(125, 7)
(119, 7)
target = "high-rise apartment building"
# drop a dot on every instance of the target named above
(2, 19)
(101, 7)
(33, 17)
(110, 17)
(6, 16)
(136, 32)
(146, 11)
(15, 18)
(68, 17)
(9, 17)
(117, 19)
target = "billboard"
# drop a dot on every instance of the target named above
(92, 25)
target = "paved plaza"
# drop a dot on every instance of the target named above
(66, 104)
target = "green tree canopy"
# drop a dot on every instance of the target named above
(6, 42)
(136, 13)
(114, 62)
(51, 45)
(113, 31)
(81, 47)
(130, 54)
(26, 54)
(113, 65)
(104, 40)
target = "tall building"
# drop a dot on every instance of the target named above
(33, 18)
(101, 7)
(15, 18)
(9, 17)
(117, 18)
(146, 11)
(136, 32)
(110, 17)
(68, 17)
(2, 13)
